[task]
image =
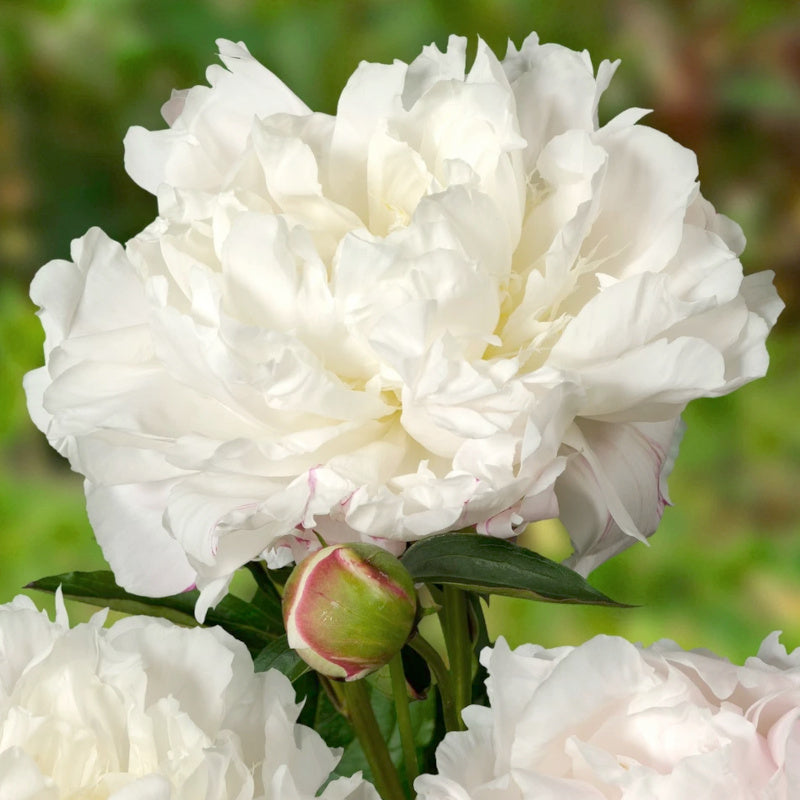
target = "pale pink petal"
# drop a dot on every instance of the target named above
(613, 491)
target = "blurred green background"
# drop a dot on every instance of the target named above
(723, 78)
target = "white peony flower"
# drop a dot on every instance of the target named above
(147, 710)
(612, 720)
(459, 302)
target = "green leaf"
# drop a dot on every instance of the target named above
(418, 675)
(480, 639)
(484, 564)
(266, 597)
(260, 575)
(329, 723)
(253, 626)
(307, 691)
(278, 655)
(415, 668)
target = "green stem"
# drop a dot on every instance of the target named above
(442, 677)
(400, 693)
(459, 647)
(362, 718)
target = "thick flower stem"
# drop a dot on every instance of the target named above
(400, 693)
(442, 677)
(362, 718)
(455, 624)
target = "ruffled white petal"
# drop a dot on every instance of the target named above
(614, 488)
(127, 521)
(208, 126)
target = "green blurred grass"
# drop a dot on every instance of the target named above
(724, 569)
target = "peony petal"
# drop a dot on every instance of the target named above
(212, 125)
(151, 787)
(613, 490)
(433, 66)
(372, 93)
(126, 520)
(556, 90)
(649, 166)
(21, 778)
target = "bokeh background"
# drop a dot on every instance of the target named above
(724, 79)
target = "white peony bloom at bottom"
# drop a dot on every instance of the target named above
(610, 719)
(147, 710)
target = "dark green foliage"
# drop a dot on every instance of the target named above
(254, 625)
(496, 566)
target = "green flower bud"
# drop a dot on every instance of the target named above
(349, 609)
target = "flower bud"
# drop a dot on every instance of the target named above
(349, 609)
